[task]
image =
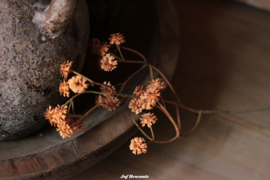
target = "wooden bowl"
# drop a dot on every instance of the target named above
(150, 27)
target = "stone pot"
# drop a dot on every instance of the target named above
(35, 38)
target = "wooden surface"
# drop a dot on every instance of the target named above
(261, 4)
(224, 64)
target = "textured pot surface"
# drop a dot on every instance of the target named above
(29, 64)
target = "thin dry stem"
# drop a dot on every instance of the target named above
(85, 92)
(75, 115)
(167, 81)
(120, 52)
(133, 62)
(73, 108)
(170, 118)
(215, 111)
(124, 84)
(152, 132)
(69, 107)
(182, 106)
(196, 124)
(116, 57)
(178, 118)
(142, 131)
(90, 80)
(89, 111)
(151, 72)
(134, 51)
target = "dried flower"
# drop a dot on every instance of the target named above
(79, 126)
(117, 39)
(108, 63)
(49, 114)
(64, 130)
(78, 84)
(104, 47)
(61, 111)
(147, 97)
(110, 102)
(107, 100)
(150, 97)
(136, 105)
(148, 119)
(64, 89)
(139, 91)
(99, 48)
(95, 46)
(65, 69)
(157, 84)
(56, 115)
(69, 120)
(138, 146)
(108, 88)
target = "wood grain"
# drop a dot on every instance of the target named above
(224, 64)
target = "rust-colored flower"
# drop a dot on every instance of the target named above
(104, 47)
(117, 39)
(65, 69)
(79, 126)
(95, 46)
(99, 48)
(64, 130)
(148, 97)
(108, 63)
(78, 84)
(49, 114)
(99, 100)
(56, 115)
(69, 120)
(139, 91)
(148, 119)
(108, 101)
(138, 145)
(61, 111)
(108, 88)
(136, 105)
(64, 89)
(157, 84)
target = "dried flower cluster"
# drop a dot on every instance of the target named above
(148, 97)
(57, 117)
(138, 145)
(77, 83)
(99, 48)
(144, 98)
(117, 39)
(65, 69)
(107, 62)
(64, 89)
(148, 119)
(107, 100)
